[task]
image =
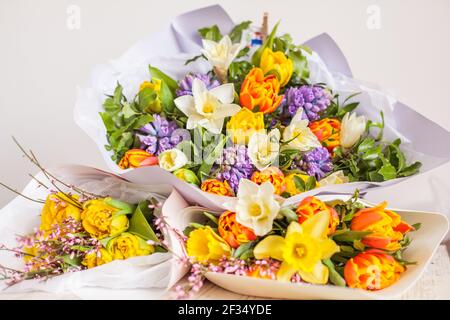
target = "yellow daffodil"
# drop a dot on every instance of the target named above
(154, 85)
(277, 61)
(337, 177)
(302, 250)
(244, 124)
(220, 54)
(204, 245)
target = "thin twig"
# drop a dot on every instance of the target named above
(38, 181)
(20, 194)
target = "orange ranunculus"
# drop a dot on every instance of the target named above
(259, 90)
(272, 174)
(311, 206)
(372, 270)
(328, 131)
(233, 232)
(217, 187)
(386, 226)
(137, 158)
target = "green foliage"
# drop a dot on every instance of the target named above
(141, 221)
(237, 72)
(236, 33)
(211, 33)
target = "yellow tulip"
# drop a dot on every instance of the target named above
(244, 124)
(97, 258)
(58, 207)
(128, 245)
(279, 62)
(302, 250)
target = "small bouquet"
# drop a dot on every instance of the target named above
(255, 114)
(78, 234)
(336, 242)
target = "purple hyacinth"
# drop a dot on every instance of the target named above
(316, 162)
(234, 165)
(313, 100)
(161, 135)
(185, 85)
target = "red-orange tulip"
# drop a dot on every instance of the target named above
(311, 206)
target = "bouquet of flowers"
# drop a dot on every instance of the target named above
(77, 234)
(255, 114)
(341, 243)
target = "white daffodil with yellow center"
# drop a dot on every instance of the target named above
(263, 148)
(298, 135)
(302, 250)
(208, 108)
(220, 54)
(255, 206)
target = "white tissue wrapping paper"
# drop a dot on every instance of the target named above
(327, 65)
(157, 272)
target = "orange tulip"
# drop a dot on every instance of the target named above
(372, 270)
(272, 174)
(386, 226)
(259, 90)
(135, 158)
(217, 187)
(328, 132)
(311, 206)
(233, 232)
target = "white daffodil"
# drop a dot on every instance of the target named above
(255, 206)
(208, 109)
(220, 54)
(172, 159)
(299, 135)
(337, 177)
(263, 148)
(352, 127)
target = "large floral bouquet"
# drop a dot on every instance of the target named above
(255, 115)
(341, 243)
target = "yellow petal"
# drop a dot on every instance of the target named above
(270, 247)
(285, 272)
(294, 227)
(317, 225)
(319, 275)
(329, 247)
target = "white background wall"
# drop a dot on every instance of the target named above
(42, 61)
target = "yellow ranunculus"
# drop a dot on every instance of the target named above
(244, 124)
(128, 245)
(204, 245)
(97, 258)
(279, 62)
(58, 207)
(302, 250)
(99, 219)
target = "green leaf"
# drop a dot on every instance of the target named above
(211, 217)
(299, 184)
(417, 226)
(236, 32)
(243, 248)
(349, 236)
(410, 170)
(74, 262)
(108, 121)
(159, 75)
(373, 153)
(211, 33)
(310, 183)
(300, 64)
(126, 207)
(289, 214)
(388, 172)
(147, 97)
(334, 276)
(139, 222)
(205, 168)
(118, 94)
(167, 97)
(365, 145)
(193, 59)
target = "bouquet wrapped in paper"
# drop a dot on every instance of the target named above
(79, 227)
(214, 103)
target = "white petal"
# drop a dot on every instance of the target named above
(227, 110)
(198, 88)
(185, 104)
(226, 41)
(225, 93)
(214, 126)
(193, 121)
(247, 188)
